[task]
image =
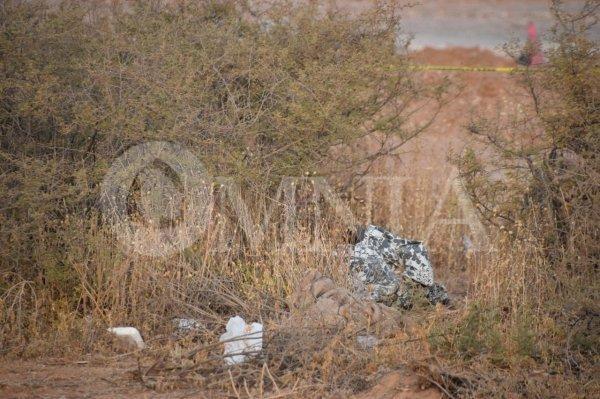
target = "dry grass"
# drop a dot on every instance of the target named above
(211, 285)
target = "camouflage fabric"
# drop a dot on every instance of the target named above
(375, 259)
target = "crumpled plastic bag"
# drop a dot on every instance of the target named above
(241, 340)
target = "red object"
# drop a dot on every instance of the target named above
(534, 44)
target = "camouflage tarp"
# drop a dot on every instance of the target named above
(374, 262)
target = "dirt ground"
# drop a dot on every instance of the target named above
(54, 378)
(116, 377)
(473, 93)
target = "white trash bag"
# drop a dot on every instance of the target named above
(241, 340)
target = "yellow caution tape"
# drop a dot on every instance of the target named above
(465, 68)
(427, 67)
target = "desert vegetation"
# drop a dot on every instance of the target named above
(259, 94)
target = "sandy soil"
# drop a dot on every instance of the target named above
(116, 379)
(48, 378)
(472, 93)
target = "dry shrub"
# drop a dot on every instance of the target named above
(295, 91)
(535, 180)
(538, 172)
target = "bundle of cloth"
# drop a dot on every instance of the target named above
(379, 292)
(375, 261)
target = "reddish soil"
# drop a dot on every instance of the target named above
(71, 379)
(472, 93)
(400, 385)
(117, 379)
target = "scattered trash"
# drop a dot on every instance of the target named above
(376, 256)
(186, 325)
(241, 340)
(129, 335)
(379, 291)
(467, 243)
(367, 341)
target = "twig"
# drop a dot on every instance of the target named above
(444, 390)
(272, 378)
(233, 384)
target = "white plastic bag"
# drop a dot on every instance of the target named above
(241, 340)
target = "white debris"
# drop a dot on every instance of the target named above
(241, 340)
(185, 325)
(129, 335)
(367, 341)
